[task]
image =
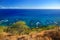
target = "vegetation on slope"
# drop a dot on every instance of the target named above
(21, 27)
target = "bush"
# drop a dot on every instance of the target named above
(19, 27)
(2, 28)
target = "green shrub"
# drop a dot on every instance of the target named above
(19, 27)
(2, 28)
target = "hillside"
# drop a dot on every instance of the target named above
(43, 35)
(21, 31)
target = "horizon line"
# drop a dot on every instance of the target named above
(57, 7)
(28, 8)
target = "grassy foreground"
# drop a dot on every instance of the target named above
(20, 31)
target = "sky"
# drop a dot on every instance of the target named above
(29, 4)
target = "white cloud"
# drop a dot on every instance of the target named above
(39, 7)
(2, 7)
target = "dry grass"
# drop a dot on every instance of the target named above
(43, 35)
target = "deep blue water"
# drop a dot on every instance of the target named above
(44, 16)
